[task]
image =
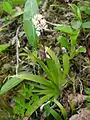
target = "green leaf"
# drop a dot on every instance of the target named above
(88, 98)
(47, 109)
(74, 38)
(3, 47)
(53, 70)
(17, 2)
(30, 33)
(54, 58)
(86, 24)
(34, 78)
(11, 82)
(18, 13)
(31, 9)
(81, 50)
(77, 12)
(55, 114)
(85, 9)
(1, 9)
(65, 28)
(39, 102)
(53, 91)
(45, 68)
(66, 64)
(87, 90)
(76, 24)
(7, 7)
(63, 41)
(72, 107)
(60, 80)
(64, 113)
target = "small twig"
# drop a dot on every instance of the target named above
(53, 24)
(17, 49)
(81, 87)
(5, 25)
(49, 30)
(74, 85)
(88, 35)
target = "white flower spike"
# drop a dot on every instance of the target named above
(39, 23)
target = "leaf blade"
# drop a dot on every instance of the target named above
(31, 8)
(66, 64)
(65, 28)
(12, 82)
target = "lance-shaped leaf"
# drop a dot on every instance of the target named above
(86, 24)
(39, 102)
(55, 114)
(31, 9)
(7, 7)
(66, 64)
(63, 41)
(3, 47)
(77, 12)
(11, 82)
(65, 28)
(64, 113)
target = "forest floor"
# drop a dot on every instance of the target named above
(54, 12)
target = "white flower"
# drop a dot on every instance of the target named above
(63, 49)
(38, 33)
(39, 23)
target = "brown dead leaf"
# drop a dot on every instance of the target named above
(83, 115)
(77, 99)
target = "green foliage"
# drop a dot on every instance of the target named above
(72, 106)
(73, 40)
(7, 7)
(85, 9)
(64, 113)
(81, 50)
(55, 114)
(1, 9)
(63, 41)
(43, 89)
(87, 90)
(50, 111)
(76, 24)
(77, 12)
(66, 64)
(49, 88)
(73, 31)
(65, 28)
(3, 47)
(17, 2)
(11, 82)
(24, 101)
(31, 9)
(86, 24)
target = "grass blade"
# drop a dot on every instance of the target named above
(64, 113)
(55, 114)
